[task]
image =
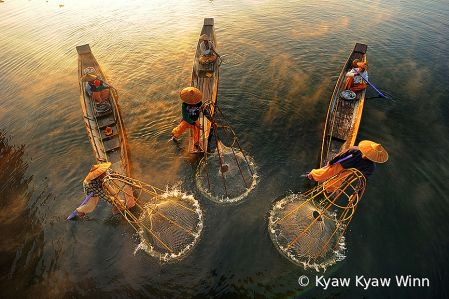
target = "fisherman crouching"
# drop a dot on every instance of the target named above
(95, 183)
(363, 158)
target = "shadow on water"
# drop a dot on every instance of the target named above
(18, 256)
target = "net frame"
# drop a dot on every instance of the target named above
(346, 187)
(220, 126)
(114, 186)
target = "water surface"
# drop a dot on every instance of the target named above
(281, 62)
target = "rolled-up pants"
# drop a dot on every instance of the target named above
(183, 125)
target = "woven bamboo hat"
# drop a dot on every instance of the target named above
(354, 62)
(373, 151)
(97, 170)
(204, 37)
(364, 65)
(89, 77)
(191, 95)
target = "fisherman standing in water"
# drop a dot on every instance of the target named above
(190, 108)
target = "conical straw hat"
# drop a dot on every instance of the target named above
(204, 37)
(97, 170)
(364, 65)
(89, 77)
(373, 151)
(354, 63)
(191, 95)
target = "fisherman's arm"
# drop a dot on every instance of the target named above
(340, 156)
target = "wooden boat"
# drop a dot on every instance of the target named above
(205, 78)
(343, 116)
(113, 147)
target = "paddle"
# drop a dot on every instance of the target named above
(341, 160)
(105, 83)
(74, 213)
(373, 86)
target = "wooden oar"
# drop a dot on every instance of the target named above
(373, 86)
(98, 79)
(341, 160)
(74, 213)
(106, 83)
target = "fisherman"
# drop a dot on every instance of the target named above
(355, 82)
(96, 88)
(364, 158)
(208, 52)
(191, 106)
(94, 182)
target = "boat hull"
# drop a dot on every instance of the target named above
(112, 148)
(343, 116)
(205, 78)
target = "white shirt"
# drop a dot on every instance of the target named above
(207, 51)
(357, 79)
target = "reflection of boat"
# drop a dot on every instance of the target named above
(344, 114)
(205, 78)
(101, 119)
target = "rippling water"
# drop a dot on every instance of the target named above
(281, 62)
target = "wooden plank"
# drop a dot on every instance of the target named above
(84, 49)
(209, 22)
(360, 48)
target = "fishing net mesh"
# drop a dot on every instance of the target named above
(299, 216)
(169, 223)
(227, 175)
(308, 228)
(173, 225)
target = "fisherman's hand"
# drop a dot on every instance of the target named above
(310, 176)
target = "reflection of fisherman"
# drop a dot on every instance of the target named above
(208, 52)
(191, 106)
(364, 158)
(355, 81)
(96, 88)
(94, 183)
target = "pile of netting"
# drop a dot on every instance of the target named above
(169, 223)
(308, 228)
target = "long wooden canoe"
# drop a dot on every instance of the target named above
(205, 78)
(343, 116)
(113, 148)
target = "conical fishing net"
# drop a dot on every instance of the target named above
(169, 223)
(299, 216)
(174, 225)
(308, 228)
(227, 175)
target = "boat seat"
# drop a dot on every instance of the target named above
(337, 138)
